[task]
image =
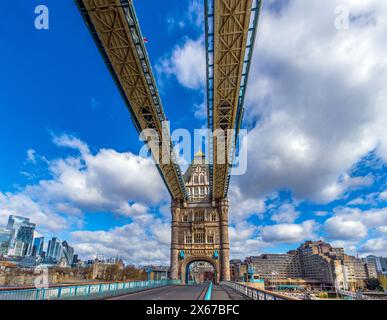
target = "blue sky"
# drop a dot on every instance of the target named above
(315, 109)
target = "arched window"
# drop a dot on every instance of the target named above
(188, 238)
(196, 179)
(213, 216)
(185, 217)
(210, 238)
(201, 178)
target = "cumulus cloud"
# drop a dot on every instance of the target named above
(289, 233)
(376, 246)
(242, 207)
(353, 223)
(104, 181)
(187, 63)
(286, 213)
(316, 99)
(134, 242)
(22, 204)
(340, 228)
(245, 241)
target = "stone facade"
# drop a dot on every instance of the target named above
(199, 226)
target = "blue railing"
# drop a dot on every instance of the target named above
(209, 292)
(85, 291)
(254, 293)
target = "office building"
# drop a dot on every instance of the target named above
(22, 233)
(5, 237)
(37, 246)
(54, 249)
(380, 264)
(67, 253)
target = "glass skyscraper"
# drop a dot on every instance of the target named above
(5, 237)
(22, 234)
(68, 253)
(37, 247)
(54, 249)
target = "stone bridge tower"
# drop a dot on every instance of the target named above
(199, 226)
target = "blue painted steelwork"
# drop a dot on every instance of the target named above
(209, 28)
(181, 254)
(216, 254)
(142, 54)
(209, 292)
(87, 291)
(255, 294)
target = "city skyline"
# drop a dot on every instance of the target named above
(320, 173)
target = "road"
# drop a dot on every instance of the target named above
(192, 292)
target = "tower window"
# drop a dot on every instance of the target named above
(199, 237)
(188, 238)
(199, 216)
(201, 179)
(210, 238)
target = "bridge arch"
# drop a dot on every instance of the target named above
(191, 259)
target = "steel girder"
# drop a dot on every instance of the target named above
(115, 29)
(231, 27)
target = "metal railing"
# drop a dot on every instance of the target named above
(85, 291)
(253, 293)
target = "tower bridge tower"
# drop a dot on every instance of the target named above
(199, 226)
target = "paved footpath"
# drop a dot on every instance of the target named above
(192, 292)
(225, 293)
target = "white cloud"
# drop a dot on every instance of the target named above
(31, 156)
(242, 207)
(382, 230)
(383, 196)
(286, 213)
(341, 228)
(321, 213)
(245, 241)
(316, 100)
(200, 111)
(106, 181)
(21, 204)
(353, 223)
(376, 246)
(187, 63)
(134, 242)
(289, 233)
(196, 13)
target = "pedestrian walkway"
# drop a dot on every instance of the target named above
(225, 293)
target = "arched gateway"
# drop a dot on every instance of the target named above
(199, 226)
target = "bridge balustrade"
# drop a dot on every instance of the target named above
(84, 291)
(253, 293)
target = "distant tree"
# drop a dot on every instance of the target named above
(373, 284)
(383, 282)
